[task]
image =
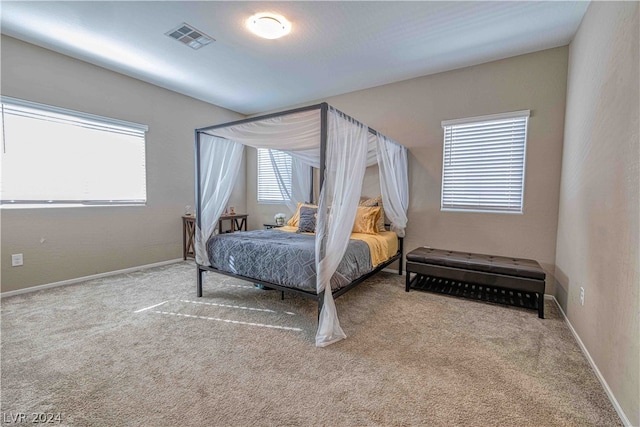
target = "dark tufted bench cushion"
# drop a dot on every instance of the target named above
(478, 262)
(517, 274)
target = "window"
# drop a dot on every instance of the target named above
(484, 162)
(57, 157)
(274, 176)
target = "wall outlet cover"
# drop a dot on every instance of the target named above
(16, 260)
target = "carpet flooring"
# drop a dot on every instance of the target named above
(140, 349)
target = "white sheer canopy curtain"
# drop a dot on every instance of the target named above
(300, 182)
(394, 182)
(346, 158)
(300, 190)
(295, 133)
(223, 158)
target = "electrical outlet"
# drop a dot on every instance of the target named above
(581, 295)
(16, 260)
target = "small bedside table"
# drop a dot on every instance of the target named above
(188, 236)
(270, 226)
(238, 222)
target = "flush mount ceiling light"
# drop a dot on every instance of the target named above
(188, 35)
(269, 25)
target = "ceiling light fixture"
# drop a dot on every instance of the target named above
(269, 25)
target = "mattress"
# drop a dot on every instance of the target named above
(382, 245)
(283, 258)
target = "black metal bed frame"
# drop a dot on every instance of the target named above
(324, 108)
(307, 294)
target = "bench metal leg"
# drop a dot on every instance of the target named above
(541, 305)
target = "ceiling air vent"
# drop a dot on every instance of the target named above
(188, 35)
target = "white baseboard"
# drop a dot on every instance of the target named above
(85, 278)
(612, 398)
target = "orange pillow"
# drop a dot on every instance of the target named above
(376, 201)
(295, 219)
(367, 220)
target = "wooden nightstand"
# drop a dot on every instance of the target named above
(270, 226)
(238, 222)
(188, 236)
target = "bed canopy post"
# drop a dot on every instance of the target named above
(198, 189)
(311, 199)
(198, 206)
(324, 108)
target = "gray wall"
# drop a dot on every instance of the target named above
(598, 232)
(83, 241)
(411, 112)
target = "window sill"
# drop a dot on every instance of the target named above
(480, 211)
(66, 205)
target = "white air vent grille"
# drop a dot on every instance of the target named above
(188, 35)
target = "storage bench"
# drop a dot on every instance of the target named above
(504, 280)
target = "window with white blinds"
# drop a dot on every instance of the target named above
(57, 157)
(274, 176)
(484, 163)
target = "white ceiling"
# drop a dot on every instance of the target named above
(333, 48)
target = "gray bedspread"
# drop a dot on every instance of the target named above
(283, 258)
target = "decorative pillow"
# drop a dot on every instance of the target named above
(307, 223)
(376, 201)
(366, 220)
(293, 222)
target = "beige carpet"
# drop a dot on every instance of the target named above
(241, 357)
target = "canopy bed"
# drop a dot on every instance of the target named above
(330, 245)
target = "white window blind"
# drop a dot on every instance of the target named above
(484, 163)
(53, 156)
(274, 176)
